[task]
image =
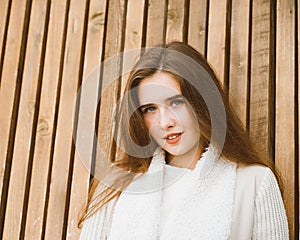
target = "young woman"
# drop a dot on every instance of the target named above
(184, 168)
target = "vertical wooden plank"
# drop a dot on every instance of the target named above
(4, 11)
(197, 25)
(155, 23)
(9, 80)
(239, 58)
(285, 105)
(65, 123)
(175, 21)
(27, 107)
(45, 127)
(134, 25)
(133, 37)
(260, 74)
(111, 77)
(87, 115)
(298, 75)
(216, 36)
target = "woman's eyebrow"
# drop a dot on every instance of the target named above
(174, 97)
(166, 100)
(145, 106)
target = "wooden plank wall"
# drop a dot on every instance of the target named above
(50, 48)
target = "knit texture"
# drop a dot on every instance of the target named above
(97, 226)
(270, 220)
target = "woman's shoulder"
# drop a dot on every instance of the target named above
(255, 176)
(252, 183)
(258, 199)
(246, 171)
(252, 170)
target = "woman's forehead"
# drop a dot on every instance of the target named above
(158, 88)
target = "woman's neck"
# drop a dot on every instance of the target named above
(188, 160)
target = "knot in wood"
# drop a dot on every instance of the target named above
(97, 21)
(43, 127)
(134, 37)
(38, 37)
(172, 15)
(31, 108)
(201, 32)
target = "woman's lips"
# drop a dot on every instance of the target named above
(173, 138)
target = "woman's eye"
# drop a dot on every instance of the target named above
(177, 102)
(148, 110)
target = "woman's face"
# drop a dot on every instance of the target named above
(168, 116)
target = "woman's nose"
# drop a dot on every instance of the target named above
(167, 118)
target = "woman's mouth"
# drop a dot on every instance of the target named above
(173, 138)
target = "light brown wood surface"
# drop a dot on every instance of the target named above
(88, 98)
(175, 21)
(4, 13)
(155, 30)
(64, 145)
(10, 85)
(260, 79)
(285, 104)
(239, 58)
(52, 137)
(45, 129)
(111, 81)
(197, 25)
(24, 128)
(217, 36)
(133, 38)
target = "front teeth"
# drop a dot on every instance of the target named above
(174, 136)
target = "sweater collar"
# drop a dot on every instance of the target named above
(155, 178)
(207, 161)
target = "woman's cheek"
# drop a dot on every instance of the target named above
(156, 133)
(183, 116)
(148, 123)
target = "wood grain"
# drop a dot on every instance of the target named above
(111, 80)
(175, 21)
(24, 129)
(9, 83)
(238, 73)
(46, 120)
(216, 36)
(4, 11)
(133, 37)
(260, 75)
(285, 104)
(62, 156)
(155, 30)
(85, 134)
(44, 176)
(197, 25)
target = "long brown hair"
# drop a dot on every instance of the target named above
(135, 147)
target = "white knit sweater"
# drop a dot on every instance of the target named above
(198, 205)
